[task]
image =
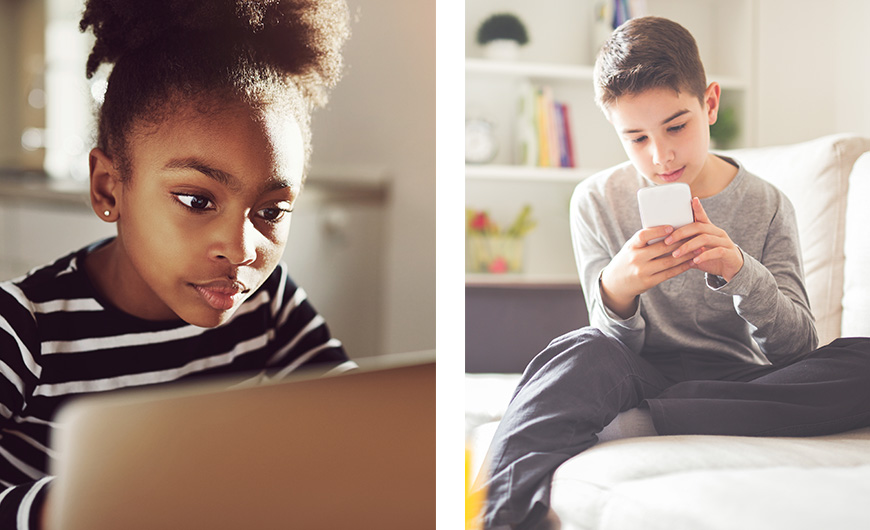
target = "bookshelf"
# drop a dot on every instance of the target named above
(563, 38)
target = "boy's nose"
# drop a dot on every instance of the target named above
(235, 242)
(662, 153)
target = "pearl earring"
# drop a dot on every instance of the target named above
(107, 213)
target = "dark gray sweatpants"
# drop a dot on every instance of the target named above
(583, 379)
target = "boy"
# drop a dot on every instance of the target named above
(708, 329)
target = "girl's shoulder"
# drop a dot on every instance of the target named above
(61, 279)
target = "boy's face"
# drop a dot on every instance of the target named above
(204, 217)
(666, 134)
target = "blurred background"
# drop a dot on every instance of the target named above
(362, 241)
(790, 71)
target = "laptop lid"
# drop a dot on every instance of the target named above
(349, 451)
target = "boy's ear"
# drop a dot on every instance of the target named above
(105, 186)
(711, 101)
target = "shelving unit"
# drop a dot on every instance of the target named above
(566, 72)
(560, 54)
(523, 281)
(531, 70)
(526, 173)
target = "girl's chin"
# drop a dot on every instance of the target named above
(207, 318)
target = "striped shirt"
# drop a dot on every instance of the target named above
(59, 339)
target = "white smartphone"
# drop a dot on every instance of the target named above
(665, 204)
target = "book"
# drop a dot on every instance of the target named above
(560, 134)
(569, 144)
(543, 133)
(543, 128)
(552, 128)
(526, 147)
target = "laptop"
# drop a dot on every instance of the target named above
(352, 451)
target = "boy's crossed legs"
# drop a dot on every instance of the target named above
(567, 394)
(579, 383)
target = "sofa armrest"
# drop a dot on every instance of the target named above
(856, 281)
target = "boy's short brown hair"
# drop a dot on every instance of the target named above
(644, 53)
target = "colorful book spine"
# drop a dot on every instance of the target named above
(552, 128)
(569, 144)
(526, 153)
(560, 134)
(543, 129)
(544, 132)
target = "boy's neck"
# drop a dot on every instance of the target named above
(716, 175)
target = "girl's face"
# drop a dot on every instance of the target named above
(204, 216)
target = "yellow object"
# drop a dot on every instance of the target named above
(473, 499)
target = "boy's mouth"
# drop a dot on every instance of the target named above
(220, 294)
(672, 176)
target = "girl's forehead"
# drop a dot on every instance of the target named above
(261, 141)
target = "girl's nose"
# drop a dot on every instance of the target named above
(235, 242)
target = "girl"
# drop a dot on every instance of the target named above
(203, 140)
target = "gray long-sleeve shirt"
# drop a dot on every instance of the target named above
(761, 315)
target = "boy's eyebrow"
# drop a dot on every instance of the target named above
(227, 179)
(671, 118)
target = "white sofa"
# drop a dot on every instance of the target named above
(729, 482)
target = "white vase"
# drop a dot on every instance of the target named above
(502, 50)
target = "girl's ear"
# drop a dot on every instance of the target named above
(105, 186)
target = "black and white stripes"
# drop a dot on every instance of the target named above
(59, 340)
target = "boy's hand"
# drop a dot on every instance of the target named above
(712, 250)
(638, 267)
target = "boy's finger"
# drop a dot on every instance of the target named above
(700, 214)
(671, 272)
(649, 234)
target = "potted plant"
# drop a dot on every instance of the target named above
(490, 249)
(501, 36)
(724, 131)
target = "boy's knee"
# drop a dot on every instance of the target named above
(586, 349)
(585, 337)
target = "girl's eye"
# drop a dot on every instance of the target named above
(194, 202)
(638, 140)
(676, 128)
(273, 215)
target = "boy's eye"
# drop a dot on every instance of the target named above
(194, 202)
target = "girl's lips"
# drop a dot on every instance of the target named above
(221, 295)
(673, 176)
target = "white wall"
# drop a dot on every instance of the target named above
(853, 66)
(813, 69)
(382, 117)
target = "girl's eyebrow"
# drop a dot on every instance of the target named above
(226, 179)
(222, 177)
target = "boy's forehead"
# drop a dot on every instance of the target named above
(654, 106)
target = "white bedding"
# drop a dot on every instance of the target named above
(696, 482)
(770, 498)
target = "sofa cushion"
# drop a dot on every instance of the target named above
(814, 175)
(856, 287)
(627, 483)
(779, 497)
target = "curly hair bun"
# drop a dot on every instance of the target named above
(298, 37)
